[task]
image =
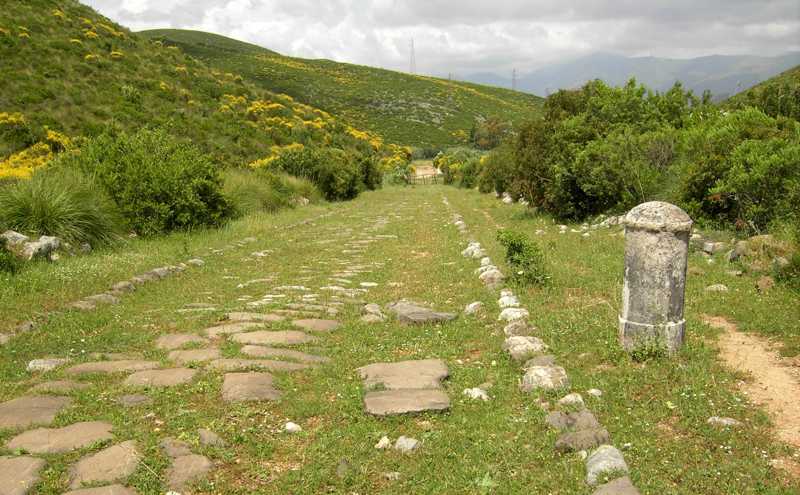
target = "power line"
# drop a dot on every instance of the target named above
(413, 63)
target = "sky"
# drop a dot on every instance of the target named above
(478, 36)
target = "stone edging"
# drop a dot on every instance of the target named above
(580, 428)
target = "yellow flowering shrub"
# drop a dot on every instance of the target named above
(13, 119)
(76, 41)
(21, 165)
(164, 86)
(24, 35)
(58, 13)
(275, 153)
(117, 55)
(89, 34)
(261, 107)
(110, 30)
(58, 142)
(86, 21)
(181, 69)
(91, 57)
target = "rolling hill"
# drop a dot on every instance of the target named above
(722, 75)
(70, 70)
(779, 95)
(403, 108)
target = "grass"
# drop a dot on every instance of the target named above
(402, 108)
(657, 408)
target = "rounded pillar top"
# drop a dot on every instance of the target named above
(658, 216)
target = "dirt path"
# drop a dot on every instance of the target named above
(776, 382)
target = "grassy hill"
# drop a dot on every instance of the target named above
(70, 70)
(403, 108)
(779, 95)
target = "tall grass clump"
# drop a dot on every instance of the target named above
(253, 191)
(158, 183)
(62, 203)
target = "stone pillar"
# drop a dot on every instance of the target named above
(656, 251)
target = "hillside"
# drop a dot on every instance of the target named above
(779, 95)
(722, 75)
(403, 108)
(68, 69)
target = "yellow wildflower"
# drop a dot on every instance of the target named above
(58, 142)
(86, 21)
(90, 34)
(76, 41)
(181, 69)
(21, 165)
(23, 34)
(58, 13)
(11, 119)
(164, 86)
(91, 57)
(117, 55)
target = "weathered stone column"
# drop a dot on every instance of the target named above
(656, 251)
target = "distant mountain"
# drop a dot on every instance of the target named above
(723, 75)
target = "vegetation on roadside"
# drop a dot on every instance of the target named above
(524, 257)
(402, 108)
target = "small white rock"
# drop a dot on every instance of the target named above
(473, 308)
(476, 394)
(383, 443)
(292, 427)
(508, 302)
(511, 314)
(718, 421)
(594, 392)
(406, 444)
(573, 399)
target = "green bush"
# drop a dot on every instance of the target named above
(9, 263)
(158, 183)
(524, 257)
(337, 173)
(252, 191)
(63, 203)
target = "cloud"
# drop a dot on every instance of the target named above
(467, 36)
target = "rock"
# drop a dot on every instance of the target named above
(290, 427)
(31, 410)
(575, 441)
(713, 247)
(492, 278)
(106, 490)
(274, 352)
(178, 340)
(392, 476)
(765, 283)
(19, 474)
(210, 439)
(473, 250)
(41, 248)
(724, 422)
(509, 301)
(266, 337)
(486, 261)
(410, 313)
(4, 338)
(605, 459)
(513, 314)
(112, 464)
(134, 400)
(44, 365)
(521, 348)
(160, 378)
(194, 355)
(175, 448)
(717, 288)
(576, 421)
(543, 360)
(59, 387)
(421, 374)
(383, 443)
(120, 366)
(196, 262)
(371, 319)
(317, 325)
(13, 239)
(544, 377)
(256, 364)
(83, 306)
(572, 400)
(60, 440)
(187, 469)
(473, 308)
(406, 445)
(25, 327)
(121, 287)
(518, 328)
(476, 394)
(620, 486)
(103, 298)
(252, 386)
(392, 402)
(254, 317)
(595, 392)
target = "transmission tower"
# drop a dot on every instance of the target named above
(412, 68)
(514, 79)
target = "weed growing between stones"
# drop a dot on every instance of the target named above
(525, 258)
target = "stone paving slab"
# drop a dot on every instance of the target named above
(187, 469)
(195, 355)
(261, 364)
(59, 387)
(258, 351)
(31, 410)
(391, 402)
(232, 328)
(278, 337)
(253, 317)
(410, 313)
(161, 378)
(104, 490)
(121, 366)
(421, 374)
(177, 340)
(252, 386)
(19, 474)
(317, 325)
(112, 464)
(60, 440)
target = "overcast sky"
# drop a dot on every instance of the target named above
(470, 36)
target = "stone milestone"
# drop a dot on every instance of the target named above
(656, 255)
